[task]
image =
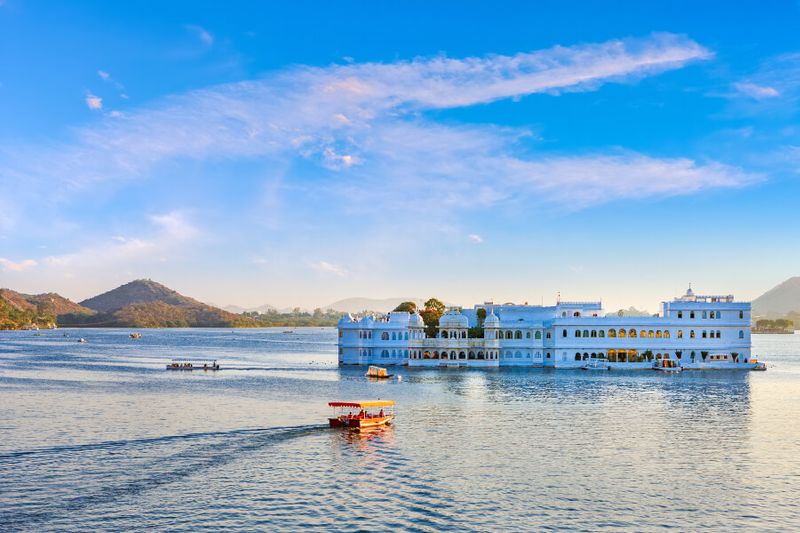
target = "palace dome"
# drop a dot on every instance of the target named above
(453, 319)
(346, 319)
(415, 321)
(491, 321)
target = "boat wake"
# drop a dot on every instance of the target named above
(137, 463)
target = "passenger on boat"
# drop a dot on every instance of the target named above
(381, 413)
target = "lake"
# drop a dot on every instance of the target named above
(99, 436)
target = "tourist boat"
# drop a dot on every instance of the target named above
(81, 340)
(667, 365)
(600, 363)
(367, 416)
(193, 364)
(378, 373)
(758, 365)
(135, 335)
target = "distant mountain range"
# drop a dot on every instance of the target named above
(141, 303)
(779, 301)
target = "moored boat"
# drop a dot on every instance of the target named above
(667, 365)
(135, 335)
(601, 363)
(367, 416)
(193, 364)
(378, 373)
(758, 365)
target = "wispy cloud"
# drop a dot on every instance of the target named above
(477, 239)
(20, 266)
(362, 124)
(201, 33)
(94, 102)
(167, 232)
(329, 268)
(756, 91)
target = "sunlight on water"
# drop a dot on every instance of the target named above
(101, 436)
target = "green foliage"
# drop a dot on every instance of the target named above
(433, 311)
(778, 325)
(408, 307)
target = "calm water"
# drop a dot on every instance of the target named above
(99, 436)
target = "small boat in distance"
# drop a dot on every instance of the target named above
(667, 365)
(600, 363)
(135, 335)
(367, 417)
(758, 365)
(193, 364)
(81, 340)
(378, 373)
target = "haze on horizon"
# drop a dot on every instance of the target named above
(295, 155)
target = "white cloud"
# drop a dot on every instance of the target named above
(756, 91)
(11, 266)
(105, 76)
(170, 230)
(329, 268)
(94, 102)
(475, 238)
(362, 121)
(201, 33)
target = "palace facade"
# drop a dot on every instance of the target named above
(696, 331)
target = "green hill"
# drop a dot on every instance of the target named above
(18, 310)
(144, 303)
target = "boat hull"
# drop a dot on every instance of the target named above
(359, 423)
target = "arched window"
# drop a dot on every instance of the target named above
(650, 334)
(509, 334)
(585, 356)
(666, 334)
(586, 333)
(705, 315)
(576, 313)
(538, 335)
(680, 333)
(601, 333)
(427, 355)
(704, 334)
(632, 333)
(405, 335)
(463, 334)
(691, 314)
(577, 333)
(612, 333)
(622, 333)
(718, 333)
(691, 335)
(594, 333)
(741, 314)
(480, 355)
(658, 334)
(517, 355)
(471, 355)
(385, 336)
(577, 356)
(741, 334)
(680, 314)
(518, 334)
(563, 333)
(385, 353)
(548, 334)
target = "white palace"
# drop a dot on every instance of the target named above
(694, 331)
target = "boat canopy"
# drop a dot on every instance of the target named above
(363, 404)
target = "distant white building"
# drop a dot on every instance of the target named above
(695, 331)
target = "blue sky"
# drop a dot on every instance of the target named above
(299, 154)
